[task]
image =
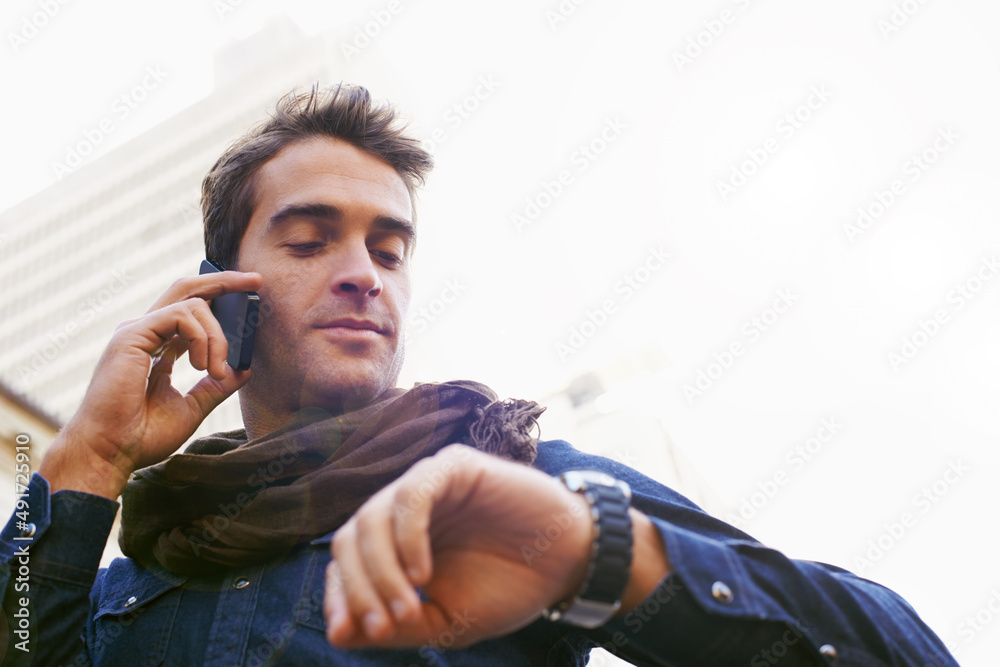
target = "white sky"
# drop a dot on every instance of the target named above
(676, 133)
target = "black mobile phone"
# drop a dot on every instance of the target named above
(238, 313)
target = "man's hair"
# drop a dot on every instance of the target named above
(344, 112)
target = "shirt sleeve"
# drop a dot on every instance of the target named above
(50, 553)
(730, 600)
(739, 602)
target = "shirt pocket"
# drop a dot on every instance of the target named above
(309, 608)
(135, 616)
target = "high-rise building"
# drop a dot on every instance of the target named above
(99, 246)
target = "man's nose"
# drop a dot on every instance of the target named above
(354, 272)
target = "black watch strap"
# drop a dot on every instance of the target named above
(613, 545)
(611, 554)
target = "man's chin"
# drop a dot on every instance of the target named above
(348, 390)
(332, 384)
(341, 399)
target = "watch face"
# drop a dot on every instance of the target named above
(576, 480)
(579, 480)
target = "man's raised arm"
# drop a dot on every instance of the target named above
(130, 417)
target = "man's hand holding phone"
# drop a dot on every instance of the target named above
(131, 415)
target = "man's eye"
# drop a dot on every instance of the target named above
(389, 257)
(305, 248)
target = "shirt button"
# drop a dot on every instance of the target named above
(130, 601)
(242, 582)
(722, 593)
(828, 651)
(28, 530)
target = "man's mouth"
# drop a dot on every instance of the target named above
(348, 326)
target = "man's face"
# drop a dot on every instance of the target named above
(331, 233)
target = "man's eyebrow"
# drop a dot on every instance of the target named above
(323, 211)
(333, 214)
(403, 227)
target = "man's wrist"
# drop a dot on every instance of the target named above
(650, 562)
(71, 465)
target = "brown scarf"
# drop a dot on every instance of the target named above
(228, 502)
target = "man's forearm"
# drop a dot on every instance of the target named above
(48, 565)
(650, 562)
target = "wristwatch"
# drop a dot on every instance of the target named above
(611, 554)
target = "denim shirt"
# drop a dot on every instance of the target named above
(728, 600)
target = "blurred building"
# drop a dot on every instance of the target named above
(99, 246)
(26, 430)
(617, 411)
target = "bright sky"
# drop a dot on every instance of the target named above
(820, 176)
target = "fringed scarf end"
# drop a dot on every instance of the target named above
(504, 428)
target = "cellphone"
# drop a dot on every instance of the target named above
(238, 314)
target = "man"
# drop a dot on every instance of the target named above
(343, 525)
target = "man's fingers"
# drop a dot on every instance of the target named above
(198, 334)
(183, 304)
(208, 286)
(384, 551)
(377, 591)
(339, 624)
(346, 631)
(375, 536)
(196, 324)
(425, 485)
(364, 605)
(163, 362)
(217, 345)
(411, 522)
(209, 393)
(189, 320)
